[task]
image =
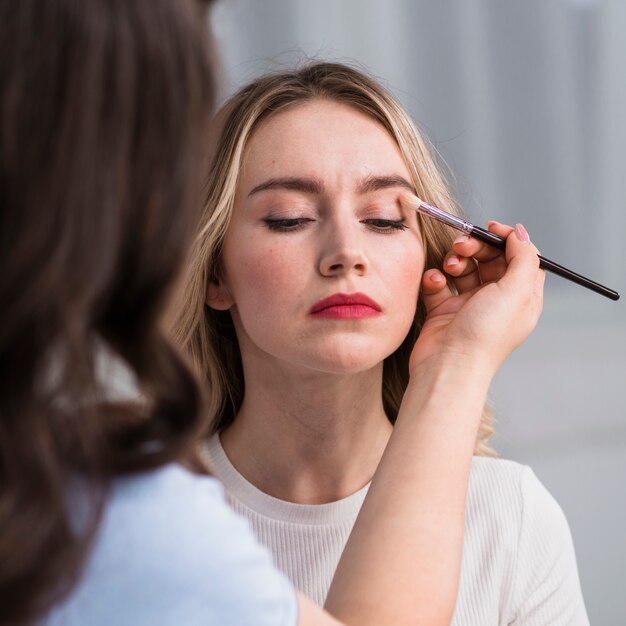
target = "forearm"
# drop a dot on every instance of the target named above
(402, 562)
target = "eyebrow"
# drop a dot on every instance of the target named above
(305, 185)
(375, 183)
(316, 187)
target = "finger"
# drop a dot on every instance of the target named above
(481, 251)
(518, 245)
(491, 261)
(435, 289)
(523, 276)
(463, 271)
(469, 246)
(457, 265)
(503, 230)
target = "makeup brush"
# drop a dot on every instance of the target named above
(500, 243)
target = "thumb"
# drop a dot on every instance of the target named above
(522, 258)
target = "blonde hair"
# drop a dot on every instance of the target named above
(208, 335)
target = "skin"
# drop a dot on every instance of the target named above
(313, 386)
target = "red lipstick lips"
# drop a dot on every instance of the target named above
(346, 306)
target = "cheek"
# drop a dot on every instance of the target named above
(260, 276)
(406, 265)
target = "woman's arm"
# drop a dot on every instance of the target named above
(401, 564)
(412, 520)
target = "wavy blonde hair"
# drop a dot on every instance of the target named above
(208, 335)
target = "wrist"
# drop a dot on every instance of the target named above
(446, 394)
(454, 362)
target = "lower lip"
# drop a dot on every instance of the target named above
(346, 312)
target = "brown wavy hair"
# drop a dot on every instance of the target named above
(208, 335)
(104, 108)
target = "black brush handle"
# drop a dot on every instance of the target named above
(500, 243)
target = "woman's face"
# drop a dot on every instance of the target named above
(321, 264)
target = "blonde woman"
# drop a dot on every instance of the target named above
(318, 311)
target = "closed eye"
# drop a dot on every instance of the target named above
(287, 224)
(385, 226)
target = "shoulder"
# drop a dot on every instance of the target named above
(169, 513)
(169, 550)
(157, 498)
(517, 530)
(509, 490)
(510, 509)
(496, 472)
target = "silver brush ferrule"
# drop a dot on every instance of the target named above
(446, 218)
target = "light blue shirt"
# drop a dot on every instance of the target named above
(170, 552)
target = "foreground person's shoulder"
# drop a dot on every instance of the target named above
(170, 551)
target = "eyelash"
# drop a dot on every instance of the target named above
(294, 224)
(385, 226)
(286, 224)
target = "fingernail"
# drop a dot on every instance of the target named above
(491, 223)
(521, 233)
(436, 277)
(453, 260)
(461, 239)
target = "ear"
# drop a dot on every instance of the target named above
(218, 296)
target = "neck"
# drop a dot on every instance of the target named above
(311, 438)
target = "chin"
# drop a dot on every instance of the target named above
(346, 359)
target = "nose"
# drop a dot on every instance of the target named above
(342, 252)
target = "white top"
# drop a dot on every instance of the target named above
(518, 563)
(168, 552)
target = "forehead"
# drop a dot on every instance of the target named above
(321, 138)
